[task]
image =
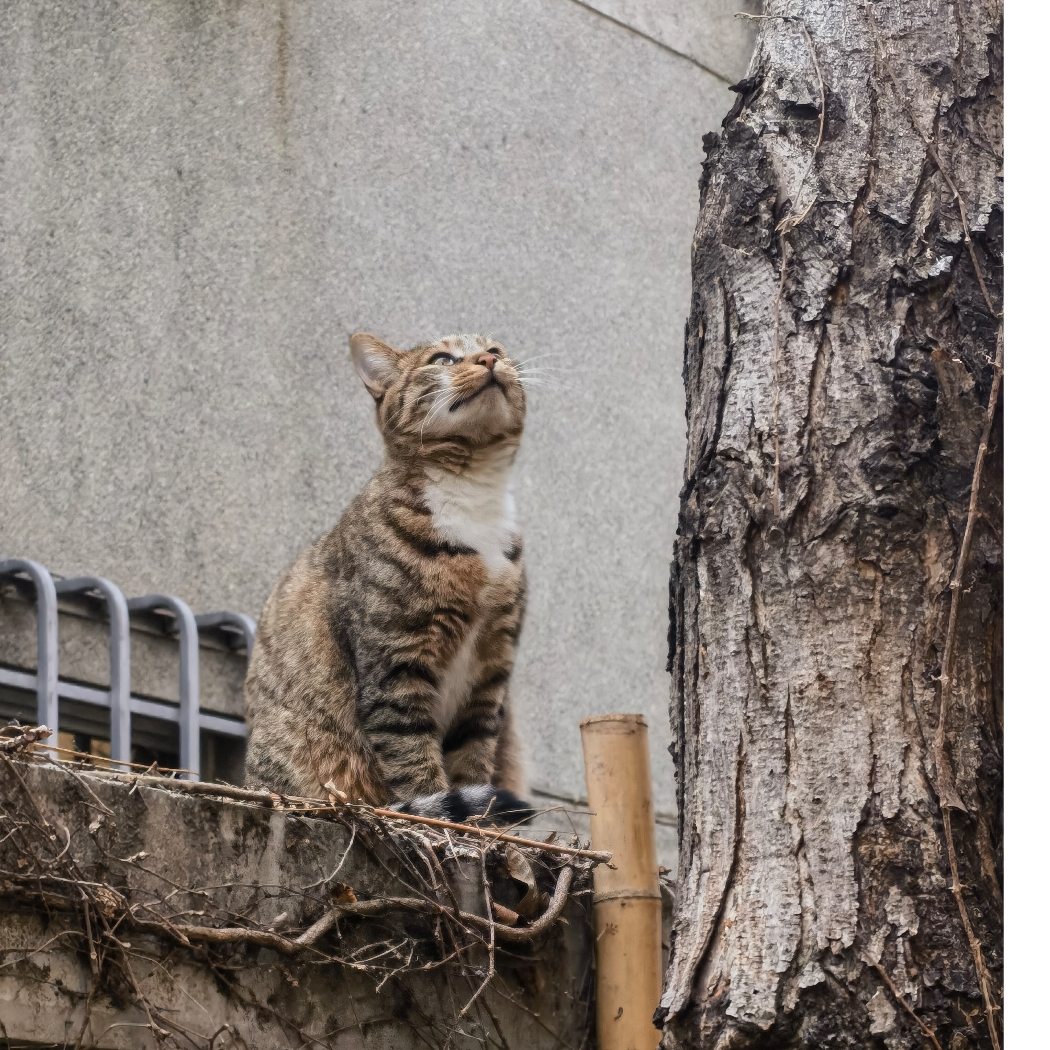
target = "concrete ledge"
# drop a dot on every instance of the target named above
(169, 859)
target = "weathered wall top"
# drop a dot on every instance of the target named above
(207, 917)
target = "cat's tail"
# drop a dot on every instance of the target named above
(496, 805)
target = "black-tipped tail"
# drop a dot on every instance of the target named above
(495, 805)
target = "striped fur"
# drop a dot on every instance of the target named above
(383, 655)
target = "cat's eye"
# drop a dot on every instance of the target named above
(442, 359)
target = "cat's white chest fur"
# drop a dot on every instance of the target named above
(473, 510)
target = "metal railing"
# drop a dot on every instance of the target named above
(50, 688)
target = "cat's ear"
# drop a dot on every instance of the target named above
(376, 363)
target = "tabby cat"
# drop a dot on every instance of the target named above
(383, 655)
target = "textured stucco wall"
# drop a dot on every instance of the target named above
(199, 200)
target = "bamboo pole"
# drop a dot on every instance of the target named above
(626, 917)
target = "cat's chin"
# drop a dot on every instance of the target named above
(491, 804)
(492, 386)
(483, 422)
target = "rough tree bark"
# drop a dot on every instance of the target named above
(835, 647)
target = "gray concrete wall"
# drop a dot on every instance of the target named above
(198, 201)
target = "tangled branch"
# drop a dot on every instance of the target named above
(62, 864)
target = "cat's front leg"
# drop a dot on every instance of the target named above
(471, 741)
(396, 712)
(472, 747)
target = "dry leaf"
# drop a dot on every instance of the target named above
(343, 894)
(109, 901)
(521, 871)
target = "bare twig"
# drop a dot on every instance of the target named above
(601, 856)
(945, 781)
(104, 761)
(527, 933)
(194, 787)
(926, 1029)
(535, 1016)
(143, 1002)
(375, 906)
(92, 952)
(984, 978)
(335, 871)
(292, 803)
(492, 955)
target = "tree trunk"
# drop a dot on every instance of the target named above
(836, 600)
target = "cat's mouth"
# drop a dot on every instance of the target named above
(489, 383)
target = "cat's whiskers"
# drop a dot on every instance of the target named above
(531, 370)
(436, 407)
(553, 376)
(535, 357)
(429, 393)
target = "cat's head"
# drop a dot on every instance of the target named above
(463, 390)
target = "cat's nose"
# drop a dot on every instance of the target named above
(488, 360)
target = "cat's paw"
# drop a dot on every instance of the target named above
(494, 805)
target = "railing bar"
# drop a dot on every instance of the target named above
(18, 679)
(84, 694)
(244, 624)
(46, 639)
(225, 725)
(189, 675)
(48, 688)
(119, 658)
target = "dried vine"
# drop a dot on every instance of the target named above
(418, 927)
(947, 792)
